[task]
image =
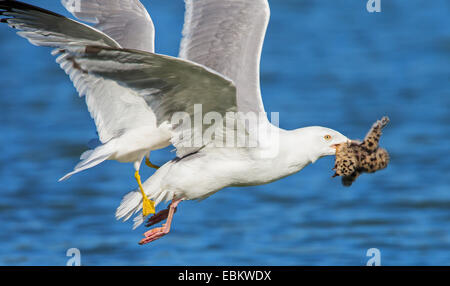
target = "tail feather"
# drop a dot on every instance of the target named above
(130, 204)
(86, 154)
(92, 158)
(138, 220)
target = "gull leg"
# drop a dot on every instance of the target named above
(148, 206)
(159, 217)
(159, 232)
(150, 164)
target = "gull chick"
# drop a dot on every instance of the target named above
(354, 157)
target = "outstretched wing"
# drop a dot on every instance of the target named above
(124, 89)
(126, 21)
(167, 86)
(105, 99)
(227, 36)
(45, 28)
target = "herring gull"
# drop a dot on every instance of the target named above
(133, 95)
(227, 36)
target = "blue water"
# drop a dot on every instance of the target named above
(324, 63)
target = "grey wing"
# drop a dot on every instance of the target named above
(227, 36)
(126, 21)
(124, 89)
(114, 108)
(45, 28)
(167, 85)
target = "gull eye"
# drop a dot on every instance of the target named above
(327, 137)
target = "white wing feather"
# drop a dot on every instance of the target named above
(114, 108)
(227, 36)
(124, 89)
(45, 28)
(162, 84)
(126, 21)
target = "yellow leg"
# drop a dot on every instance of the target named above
(148, 206)
(150, 164)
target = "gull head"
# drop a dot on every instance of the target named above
(324, 141)
(327, 141)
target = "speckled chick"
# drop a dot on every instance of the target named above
(354, 158)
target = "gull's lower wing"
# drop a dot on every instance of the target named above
(124, 89)
(126, 21)
(107, 101)
(167, 85)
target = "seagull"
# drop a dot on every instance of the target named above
(227, 36)
(143, 101)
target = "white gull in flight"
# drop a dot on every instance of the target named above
(132, 94)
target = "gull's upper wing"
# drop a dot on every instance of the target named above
(126, 21)
(45, 28)
(124, 89)
(227, 36)
(105, 99)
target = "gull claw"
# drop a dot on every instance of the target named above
(159, 232)
(154, 234)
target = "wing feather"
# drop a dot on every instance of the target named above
(167, 85)
(126, 21)
(124, 88)
(45, 28)
(227, 36)
(107, 101)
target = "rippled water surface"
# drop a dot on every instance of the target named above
(323, 64)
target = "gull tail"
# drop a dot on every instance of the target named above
(131, 203)
(92, 158)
